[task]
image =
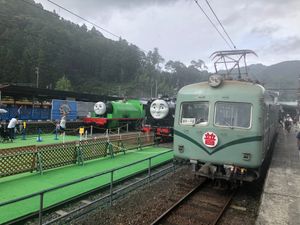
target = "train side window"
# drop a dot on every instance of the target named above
(233, 114)
(194, 113)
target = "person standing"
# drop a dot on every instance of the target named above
(62, 124)
(11, 126)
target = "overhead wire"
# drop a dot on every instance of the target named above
(234, 46)
(74, 14)
(196, 1)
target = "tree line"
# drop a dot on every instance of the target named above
(72, 57)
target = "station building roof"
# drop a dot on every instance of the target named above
(43, 94)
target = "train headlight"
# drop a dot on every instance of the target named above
(215, 80)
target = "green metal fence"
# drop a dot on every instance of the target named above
(43, 157)
(41, 194)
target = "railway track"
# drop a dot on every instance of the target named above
(67, 211)
(203, 205)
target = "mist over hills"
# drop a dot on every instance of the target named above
(31, 37)
(283, 76)
(280, 75)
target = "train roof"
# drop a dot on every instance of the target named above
(21, 92)
(238, 89)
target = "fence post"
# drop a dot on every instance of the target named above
(111, 187)
(24, 133)
(79, 154)
(123, 147)
(127, 128)
(139, 142)
(149, 171)
(111, 150)
(41, 208)
(91, 131)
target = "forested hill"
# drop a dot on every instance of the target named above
(280, 75)
(283, 76)
(71, 57)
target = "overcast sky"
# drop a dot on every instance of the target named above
(180, 30)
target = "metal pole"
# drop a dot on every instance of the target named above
(41, 208)
(37, 70)
(111, 187)
(91, 131)
(149, 171)
(127, 127)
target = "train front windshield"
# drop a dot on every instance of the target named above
(194, 113)
(233, 114)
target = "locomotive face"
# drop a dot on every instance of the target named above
(100, 108)
(159, 109)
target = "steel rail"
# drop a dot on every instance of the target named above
(177, 204)
(189, 194)
(224, 207)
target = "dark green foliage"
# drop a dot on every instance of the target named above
(31, 37)
(63, 84)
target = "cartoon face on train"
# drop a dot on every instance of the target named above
(159, 109)
(100, 108)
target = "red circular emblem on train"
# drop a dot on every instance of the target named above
(210, 139)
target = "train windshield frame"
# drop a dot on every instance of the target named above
(233, 114)
(194, 113)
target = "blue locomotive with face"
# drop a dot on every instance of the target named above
(160, 117)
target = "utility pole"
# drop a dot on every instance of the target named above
(37, 70)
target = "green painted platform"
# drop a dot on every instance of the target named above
(32, 140)
(23, 184)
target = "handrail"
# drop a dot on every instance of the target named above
(111, 171)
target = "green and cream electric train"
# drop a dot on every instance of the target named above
(225, 127)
